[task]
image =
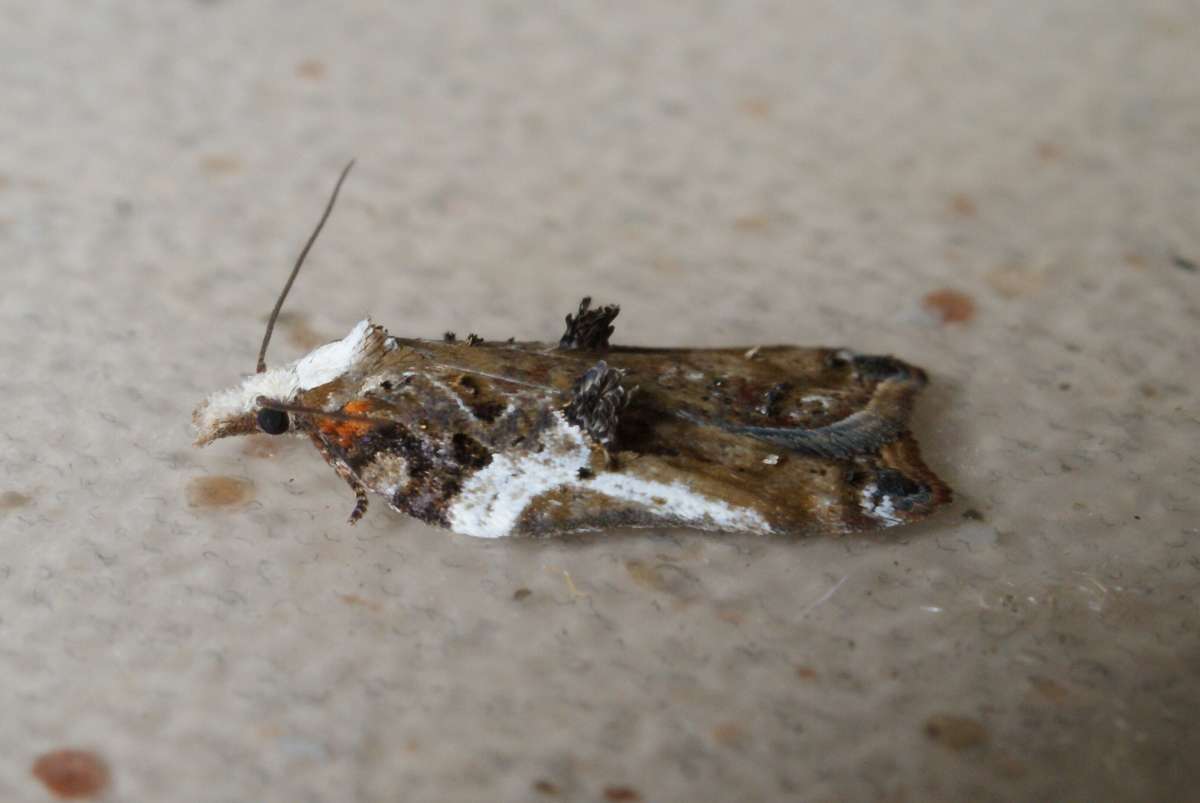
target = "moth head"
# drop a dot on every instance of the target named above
(246, 408)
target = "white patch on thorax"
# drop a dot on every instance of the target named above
(883, 510)
(493, 499)
(330, 361)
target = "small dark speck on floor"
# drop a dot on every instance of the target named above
(546, 787)
(311, 69)
(955, 732)
(1183, 263)
(11, 499)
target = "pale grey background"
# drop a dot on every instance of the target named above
(742, 173)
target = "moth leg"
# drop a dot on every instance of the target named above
(343, 470)
(360, 491)
(360, 502)
(597, 401)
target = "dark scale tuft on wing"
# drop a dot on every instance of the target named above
(589, 329)
(597, 401)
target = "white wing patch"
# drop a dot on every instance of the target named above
(493, 499)
(681, 501)
(883, 511)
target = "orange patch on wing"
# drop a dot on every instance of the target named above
(345, 432)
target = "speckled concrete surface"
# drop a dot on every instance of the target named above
(206, 626)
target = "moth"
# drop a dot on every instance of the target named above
(497, 438)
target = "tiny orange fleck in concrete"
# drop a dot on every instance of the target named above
(963, 205)
(949, 306)
(752, 224)
(806, 673)
(311, 69)
(356, 600)
(1011, 767)
(221, 164)
(758, 108)
(1134, 261)
(219, 491)
(621, 794)
(1048, 688)
(955, 732)
(667, 265)
(1049, 151)
(72, 774)
(731, 614)
(729, 734)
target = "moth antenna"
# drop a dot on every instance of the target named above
(312, 238)
(334, 415)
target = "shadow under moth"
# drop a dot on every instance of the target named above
(493, 438)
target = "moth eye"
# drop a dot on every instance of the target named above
(272, 422)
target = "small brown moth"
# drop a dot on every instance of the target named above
(495, 438)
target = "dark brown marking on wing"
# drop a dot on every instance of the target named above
(478, 394)
(469, 452)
